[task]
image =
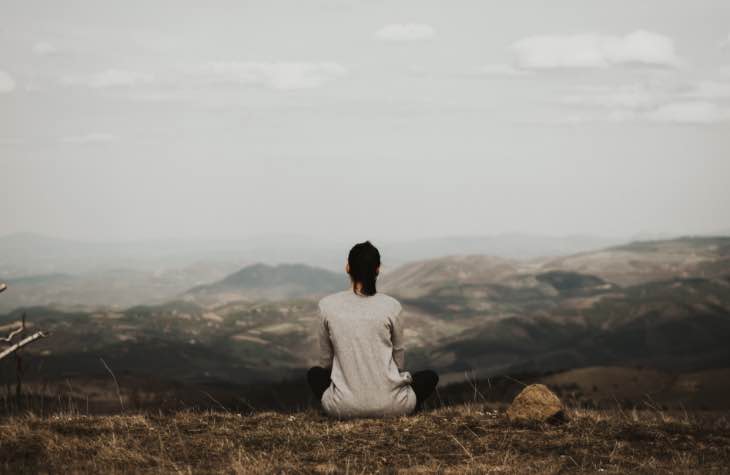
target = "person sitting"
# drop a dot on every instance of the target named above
(361, 371)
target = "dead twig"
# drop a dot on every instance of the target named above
(214, 400)
(13, 333)
(516, 381)
(466, 451)
(25, 341)
(116, 383)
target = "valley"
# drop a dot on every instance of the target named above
(656, 306)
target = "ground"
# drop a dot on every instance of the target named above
(469, 438)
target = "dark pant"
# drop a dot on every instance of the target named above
(319, 380)
(424, 383)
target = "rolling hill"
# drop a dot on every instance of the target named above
(111, 288)
(677, 325)
(262, 281)
(664, 304)
(646, 261)
(417, 279)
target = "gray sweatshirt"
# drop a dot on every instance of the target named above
(361, 338)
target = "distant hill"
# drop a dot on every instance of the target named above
(113, 288)
(628, 264)
(640, 303)
(646, 261)
(263, 281)
(679, 324)
(506, 245)
(422, 278)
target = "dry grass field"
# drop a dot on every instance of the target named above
(470, 438)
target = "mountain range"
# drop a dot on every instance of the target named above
(68, 273)
(656, 304)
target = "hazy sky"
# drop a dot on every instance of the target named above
(363, 119)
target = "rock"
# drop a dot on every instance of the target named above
(536, 403)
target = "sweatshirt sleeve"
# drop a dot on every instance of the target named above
(326, 351)
(396, 336)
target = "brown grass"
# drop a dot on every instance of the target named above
(462, 439)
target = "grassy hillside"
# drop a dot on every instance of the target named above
(473, 438)
(681, 324)
(238, 342)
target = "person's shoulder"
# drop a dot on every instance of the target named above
(332, 299)
(391, 302)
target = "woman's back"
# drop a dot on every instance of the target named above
(361, 339)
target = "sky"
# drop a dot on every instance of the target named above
(363, 119)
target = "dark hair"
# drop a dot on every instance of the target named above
(364, 260)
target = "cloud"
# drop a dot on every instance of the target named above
(43, 48)
(184, 81)
(709, 90)
(405, 32)
(694, 112)
(726, 42)
(274, 75)
(645, 96)
(631, 97)
(503, 70)
(109, 78)
(669, 102)
(595, 51)
(7, 84)
(90, 139)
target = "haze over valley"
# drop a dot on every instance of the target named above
(121, 274)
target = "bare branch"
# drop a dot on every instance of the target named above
(9, 338)
(25, 341)
(12, 334)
